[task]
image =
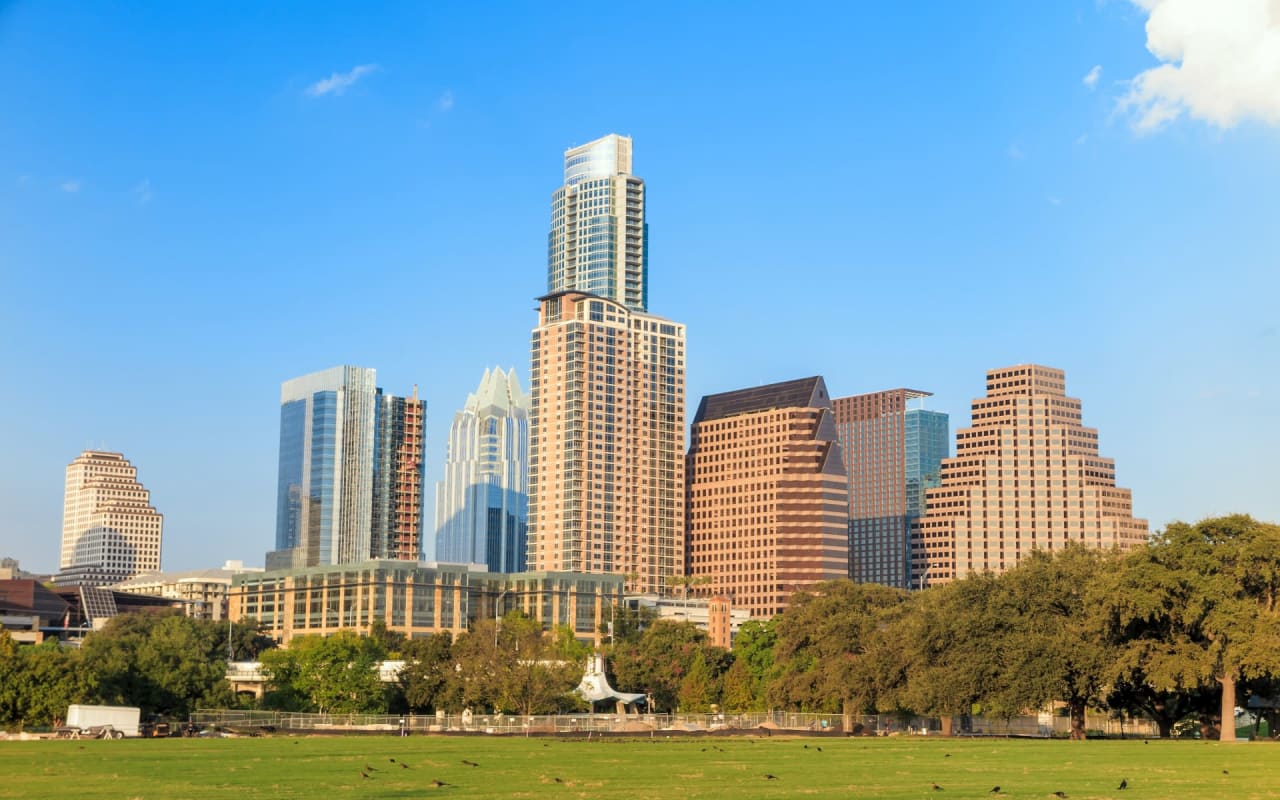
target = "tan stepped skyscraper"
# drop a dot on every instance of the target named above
(606, 446)
(110, 530)
(1026, 476)
(768, 498)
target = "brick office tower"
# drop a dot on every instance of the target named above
(768, 500)
(606, 444)
(1026, 476)
(892, 454)
(110, 530)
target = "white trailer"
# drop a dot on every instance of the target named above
(119, 719)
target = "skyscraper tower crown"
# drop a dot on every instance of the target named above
(482, 505)
(598, 242)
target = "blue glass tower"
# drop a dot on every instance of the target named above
(324, 500)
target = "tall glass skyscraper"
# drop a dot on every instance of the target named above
(482, 505)
(598, 239)
(331, 423)
(892, 454)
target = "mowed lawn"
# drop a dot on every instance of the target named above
(709, 767)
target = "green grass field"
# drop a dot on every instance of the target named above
(710, 767)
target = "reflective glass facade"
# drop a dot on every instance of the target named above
(482, 505)
(325, 478)
(599, 238)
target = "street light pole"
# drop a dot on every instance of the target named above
(497, 616)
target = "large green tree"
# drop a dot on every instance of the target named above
(831, 650)
(658, 662)
(166, 665)
(1197, 609)
(949, 638)
(1053, 645)
(335, 674)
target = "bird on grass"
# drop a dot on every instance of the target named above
(392, 760)
(403, 765)
(948, 755)
(936, 787)
(470, 763)
(365, 775)
(558, 780)
(806, 747)
(1059, 794)
(769, 777)
(819, 749)
(439, 784)
(994, 790)
(368, 768)
(1224, 772)
(1124, 784)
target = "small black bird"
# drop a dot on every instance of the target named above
(1059, 794)
(438, 783)
(392, 760)
(948, 755)
(557, 780)
(1224, 772)
(403, 765)
(368, 768)
(806, 747)
(470, 763)
(994, 790)
(769, 777)
(819, 749)
(1124, 784)
(936, 787)
(364, 775)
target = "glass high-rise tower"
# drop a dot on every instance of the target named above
(892, 454)
(606, 385)
(598, 238)
(350, 471)
(482, 505)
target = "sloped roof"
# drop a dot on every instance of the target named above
(803, 393)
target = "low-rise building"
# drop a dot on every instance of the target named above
(417, 599)
(203, 592)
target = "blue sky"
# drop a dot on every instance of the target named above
(885, 194)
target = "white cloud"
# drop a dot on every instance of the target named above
(71, 187)
(339, 82)
(1221, 63)
(143, 192)
(446, 101)
(1090, 80)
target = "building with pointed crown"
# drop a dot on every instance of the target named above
(482, 505)
(767, 494)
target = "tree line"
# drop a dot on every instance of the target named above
(1185, 628)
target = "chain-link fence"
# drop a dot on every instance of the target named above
(764, 723)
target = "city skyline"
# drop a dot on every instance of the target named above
(1039, 206)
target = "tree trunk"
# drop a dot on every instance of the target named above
(1077, 720)
(947, 725)
(1228, 724)
(1165, 726)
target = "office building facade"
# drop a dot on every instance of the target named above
(598, 239)
(350, 467)
(1026, 476)
(417, 599)
(606, 451)
(891, 453)
(482, 505)
(110, 530)
(767, 494)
